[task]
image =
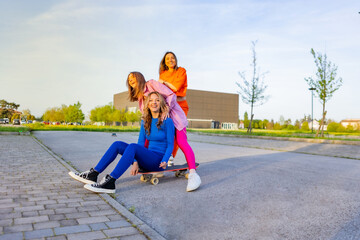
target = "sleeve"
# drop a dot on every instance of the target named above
(169, 96)
(142, 138)
(170, 135)
(180, 79)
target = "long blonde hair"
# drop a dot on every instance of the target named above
(147, 117)
(135, 93)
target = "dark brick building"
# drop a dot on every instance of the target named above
(207, 109)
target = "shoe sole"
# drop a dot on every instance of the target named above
(190, 190)
(99, 190)
(80, 179)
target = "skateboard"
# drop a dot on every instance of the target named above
(180, 171)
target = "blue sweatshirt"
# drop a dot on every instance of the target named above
(160, 140)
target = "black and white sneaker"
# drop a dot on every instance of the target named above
(106, 185)
(87, 177)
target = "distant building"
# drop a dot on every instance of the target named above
(316, 125)
(207, 109)
(353, 122)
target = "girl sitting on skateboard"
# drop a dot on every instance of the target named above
(138, 89)
(156, 128)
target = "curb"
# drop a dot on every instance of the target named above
(139, 224)
(15, 133)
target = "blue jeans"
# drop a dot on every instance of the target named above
(147, 159)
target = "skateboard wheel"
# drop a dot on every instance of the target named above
(177, 174)
(142, 178)
(187, 176)
(154, 181)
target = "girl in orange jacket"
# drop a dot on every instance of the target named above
(175, 78)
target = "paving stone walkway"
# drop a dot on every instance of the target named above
(38, 200)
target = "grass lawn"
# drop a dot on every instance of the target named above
(88, 128)
(353, 136)
(11, 128)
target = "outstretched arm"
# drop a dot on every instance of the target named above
(169, 96)
(170, 135)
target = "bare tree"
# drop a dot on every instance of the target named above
(252, 90)
(325, 82)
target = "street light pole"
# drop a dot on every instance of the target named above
(312, 109)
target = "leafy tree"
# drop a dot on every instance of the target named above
(8, 105)
(305, 126)
(325, 82)
(116, 115)
(119, 115)
(26, 114)
(73, 113)
(270, 125)
(107, 114)
(277, 126)
(265, 123)
(350, 128)
(15, 116)
(246, 120)
(7, 109)
(102, 114)
(54, 114)
(290, 127)
(133, 117)
(333, 126)
(252, 91)
(94, 115)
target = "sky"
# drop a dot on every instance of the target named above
(61, 52)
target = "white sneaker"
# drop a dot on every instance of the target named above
(171, 161)
(194, 182)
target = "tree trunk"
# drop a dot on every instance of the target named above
(250, 124)
(321, 126)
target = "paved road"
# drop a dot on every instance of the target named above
(247, 192)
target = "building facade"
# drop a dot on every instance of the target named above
(355, 123)
(206, 109)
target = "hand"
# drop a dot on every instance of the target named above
(134, 169)
(163, 165)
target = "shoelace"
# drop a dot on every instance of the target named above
(102, 181)
(84, 174)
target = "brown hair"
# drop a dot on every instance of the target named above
(147, 117)
(163, 66)
(135, 93)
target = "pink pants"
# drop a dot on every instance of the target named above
(181, 139)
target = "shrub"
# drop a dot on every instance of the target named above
(290, 127)
(333, 126)
(305, 126)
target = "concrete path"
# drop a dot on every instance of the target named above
(38, 200)
(266, 190)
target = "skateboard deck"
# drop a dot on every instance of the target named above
(180, 170)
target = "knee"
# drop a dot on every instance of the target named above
(133, 145)
(119, 145)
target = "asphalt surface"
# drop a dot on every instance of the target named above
(251, 188)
